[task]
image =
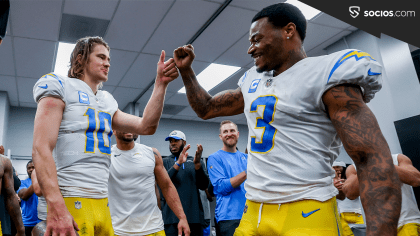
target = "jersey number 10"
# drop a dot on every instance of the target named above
(100, 131)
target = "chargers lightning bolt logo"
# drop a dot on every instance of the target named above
(55, 77)
(353, 53)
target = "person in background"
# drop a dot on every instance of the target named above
(10, 215)
(188, 175)
(29, 201)
(350, 210)
(227, 171)
(409, 221)
(135, 169)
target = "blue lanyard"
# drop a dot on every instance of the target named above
(183, 167)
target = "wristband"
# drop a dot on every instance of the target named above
(177, 164)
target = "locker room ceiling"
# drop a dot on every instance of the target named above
(137, 31)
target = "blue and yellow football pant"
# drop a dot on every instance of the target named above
(410, 229)
(350, 218)
(91, 215)
(301, 218)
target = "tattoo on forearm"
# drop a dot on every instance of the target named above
(203, 103)
(362, 138)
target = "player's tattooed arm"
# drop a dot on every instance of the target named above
(226, 103)
(357, 127)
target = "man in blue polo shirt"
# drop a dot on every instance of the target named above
(29, 201)
(227, 172)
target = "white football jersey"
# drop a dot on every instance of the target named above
(409, 210)
(292, 142)
(83, 149)
(352, 206)
(132, 196)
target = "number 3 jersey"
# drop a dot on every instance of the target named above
(292, 142)
(83, 149)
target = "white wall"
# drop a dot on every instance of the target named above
(20, 131)
(402, 77)
(4, 118)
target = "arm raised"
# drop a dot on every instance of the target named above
(225, 103)
(380, 188)
(147, 125)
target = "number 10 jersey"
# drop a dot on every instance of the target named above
(292, 142)
(83, 149)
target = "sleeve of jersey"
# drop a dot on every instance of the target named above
(359, 68)
(242, 79)
(221, 183)
(49, 85)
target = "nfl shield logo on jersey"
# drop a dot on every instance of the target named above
(269, 82)
(77, 205)
(83, 98)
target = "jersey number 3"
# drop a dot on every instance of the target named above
(268, 103)
(100, 131)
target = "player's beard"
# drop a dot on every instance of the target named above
(129, 140)
(225, 142)
(179, 151)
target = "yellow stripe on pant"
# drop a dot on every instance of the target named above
(91, 215)
(300, 218)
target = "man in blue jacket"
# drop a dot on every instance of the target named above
(227, 172)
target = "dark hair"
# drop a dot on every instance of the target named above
(84, 47)
(29, 162)
(281, 14)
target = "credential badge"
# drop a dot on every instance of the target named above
(77, 205)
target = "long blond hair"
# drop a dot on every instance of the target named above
(84, 47)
